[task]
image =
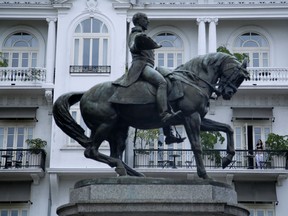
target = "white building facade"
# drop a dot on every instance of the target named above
(58, 46)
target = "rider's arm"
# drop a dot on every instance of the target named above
(141, 41)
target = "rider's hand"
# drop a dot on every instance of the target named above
(171, 77)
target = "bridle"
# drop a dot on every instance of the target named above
(230, 80)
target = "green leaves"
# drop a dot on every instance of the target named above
(209, 139)
(277, 142)
(3, 62)
(239, 56)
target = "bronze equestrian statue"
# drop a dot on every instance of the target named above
(110, 121)
(109, 109)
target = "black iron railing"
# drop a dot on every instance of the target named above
(22, 159)
(105, 69)
(243, 159)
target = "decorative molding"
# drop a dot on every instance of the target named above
(280, 179)
(92, 6)
(201, 19)
(49, 95)
(51, 19)
(36, 178)
(212, 19)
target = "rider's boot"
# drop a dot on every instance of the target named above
(170, 137)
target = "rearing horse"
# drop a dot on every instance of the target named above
(200, 77)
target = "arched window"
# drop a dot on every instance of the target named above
(21, 50)
(171, 53)
(91, 45)
(255, 46)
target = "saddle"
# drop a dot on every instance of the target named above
(142, 92)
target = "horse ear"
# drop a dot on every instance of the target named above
(244, 63)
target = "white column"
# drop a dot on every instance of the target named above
(212, 34)
(129, 56)
(201, 36)
(50, 52)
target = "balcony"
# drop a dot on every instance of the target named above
(267, 77)
(11, 76)
(183, 161)
(22, 164)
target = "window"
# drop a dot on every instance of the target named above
(13, 137)
(91, 46)
(171, 53)
(260, 209)
(21, 50)
(13, 211)
(255, 46)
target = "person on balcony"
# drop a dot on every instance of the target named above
(259, 154)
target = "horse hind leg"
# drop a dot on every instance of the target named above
(117, 146)
(92, 151)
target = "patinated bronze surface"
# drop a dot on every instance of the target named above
(200, 77)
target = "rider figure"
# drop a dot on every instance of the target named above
(143, 56)
(142, 50)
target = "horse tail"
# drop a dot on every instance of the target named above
(65, 121)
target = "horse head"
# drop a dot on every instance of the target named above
(233, 73)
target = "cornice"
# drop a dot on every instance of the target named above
(36, 4)
(208, 3)
(25, 4)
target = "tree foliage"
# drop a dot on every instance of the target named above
(3, 62)
(209, 139)
(239, 56)
(145, 137)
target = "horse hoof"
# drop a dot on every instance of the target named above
(205, 177)
(225, 162)
(121, 171)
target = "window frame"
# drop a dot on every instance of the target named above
(171, 50)
(250, 51)
(28, 134)
(9, 51)
(103, 51)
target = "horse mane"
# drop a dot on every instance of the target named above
(205, 63)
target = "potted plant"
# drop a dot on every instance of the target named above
(3, 61)
(35, 145)
(35, 74)
(277, 145)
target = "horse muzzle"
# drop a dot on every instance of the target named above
(228, 92)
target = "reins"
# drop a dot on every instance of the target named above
(212, 87)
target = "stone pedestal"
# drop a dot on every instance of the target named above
(127, 196)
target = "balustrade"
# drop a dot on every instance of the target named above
(184, 158)
(209, 2)
(13, 76)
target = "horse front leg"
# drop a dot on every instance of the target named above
(210, 125)
(192, 127)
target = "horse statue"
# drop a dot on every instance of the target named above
(199, 78)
